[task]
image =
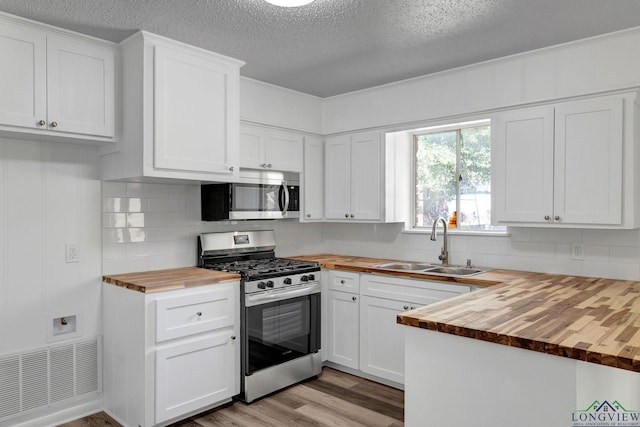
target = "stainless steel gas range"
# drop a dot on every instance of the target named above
(280, 309)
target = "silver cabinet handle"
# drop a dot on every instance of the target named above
(547, 217)
(269, 165)
(199, 314)
(354, 298)
(346, 215)
(54, 124)
(352, 215)
(233, 337)
(342, 281)
(41, 123)
(231, 168)
(263, 165)
(308, 215)
(557, 218)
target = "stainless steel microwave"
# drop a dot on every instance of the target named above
(258, 195)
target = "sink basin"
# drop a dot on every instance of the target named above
(454, 271)
(410, 266)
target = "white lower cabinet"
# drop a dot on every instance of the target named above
(344, 313)
(363, 333)
(170, 354)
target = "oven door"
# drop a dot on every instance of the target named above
(281, 330)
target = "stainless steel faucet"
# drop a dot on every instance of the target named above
(444, 253)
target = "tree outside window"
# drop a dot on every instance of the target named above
(453, 174)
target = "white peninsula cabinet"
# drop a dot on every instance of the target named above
(570, 164)
(313, 180)
(55, 83)
(363, 334)
(180, 113)
(383, 298)
(170, 354)
(353, 177)
(270, 149)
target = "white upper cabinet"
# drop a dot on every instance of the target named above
(353, 173)
(56, 84)
(180, 113)
(270, 149)
(570, 164)
(313, 179)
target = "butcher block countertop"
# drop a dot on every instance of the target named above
(584, 318)
(168, 280)
(366, 265)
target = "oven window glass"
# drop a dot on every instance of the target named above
(255, 198)
(282, 331)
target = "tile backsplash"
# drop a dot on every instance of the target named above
(154, 226)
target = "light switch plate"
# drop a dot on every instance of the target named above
(71, 252)
(577, 251)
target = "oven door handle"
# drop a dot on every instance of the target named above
(267, 297)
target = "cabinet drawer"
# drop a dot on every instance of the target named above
(418, 292)
(190, 314)
(344, 281)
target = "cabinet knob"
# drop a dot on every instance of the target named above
(406, 307)
(308, 215)
(346, 215)
(54, 124)
(412, 307)
(199, 314)
(269, 165)
(547, 217)
(263, 165)
(557, 218)
(233, 337)
(352, 215)
(342, 281)
(231, 168)
(41, 123)
(354, 298)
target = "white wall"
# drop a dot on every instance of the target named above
(603, 63)
(49, 196)
(154, 226)
(608, 253)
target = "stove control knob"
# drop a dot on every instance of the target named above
(287, 281)
(312, 277)
(304, 279)
(269, 283)
(261, 285)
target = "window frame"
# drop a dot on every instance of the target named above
(457, 126)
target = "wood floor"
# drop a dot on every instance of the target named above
(334, 399)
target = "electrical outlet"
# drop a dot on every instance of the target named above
(577, 251)
(71, 252)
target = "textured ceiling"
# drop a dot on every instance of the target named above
(335, 46)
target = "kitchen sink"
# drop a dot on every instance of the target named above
(410, 266)
(418, 267)
(454, 271)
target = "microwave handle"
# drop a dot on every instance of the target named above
(284, 206)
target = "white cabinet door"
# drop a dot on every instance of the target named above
(337, 178)
(195, 374)
(81, 87)
(588, 162)
(366, 170)
(522, 165)
(196, 120)
(23, 84)
(343, 334)
(252, 147)
(313, 179)
(381, 338)
(283, 151)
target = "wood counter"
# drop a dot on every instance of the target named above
(167, 280)
(583, 318)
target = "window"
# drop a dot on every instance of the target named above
(452, 176)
